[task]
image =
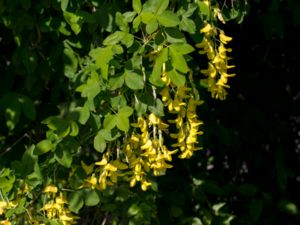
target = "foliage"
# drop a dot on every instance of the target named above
(101, 98)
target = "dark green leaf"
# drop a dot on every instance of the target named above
(28, 107)
(75, 201)
(175, 36)
(29, 59)
(63, 156)
(91, 198)
(247, 189)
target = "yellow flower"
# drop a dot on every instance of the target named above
(206, 29)
(103, 162)
(145, 184)
(5, 222)
(50, 189)
(210, 72)
(223, 38)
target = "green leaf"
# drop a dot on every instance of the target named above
(127, 39)
(74, 129)
(133, 80)
(204, 9)
(10, 104)
(84, 114)
(28, 160)
(109, 122)
(118, 102)
(177, 78)
(136, 23)
(70, 62)
(182, 48)
(75, 201)
(217, 208)
(91, 89)
(116, 82)
(122, 122)
(146, 17)
(137, 6)
(121, 22)
(64, 4)
(134, 209)
(140, 108)
(161, 6)
(59, 125)
(174, 35)
(152, 26)
(288, 207)
(187, 25)
(114, 38)
(103, 57)
(91, 198)
(155, 77)
(126, 111)
(129, 16)
(109, 135)
(168, 19)
(74, 20)
(63, 156)
(99, 143)
(178, 61)
(29, 59)
(28, 107)
(43, 147)
(157, 108)
(156, 6)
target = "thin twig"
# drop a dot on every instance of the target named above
(8, 149)
(104, 219)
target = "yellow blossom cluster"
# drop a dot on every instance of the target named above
(4, 206)
(144, 150)
(216, 52)
(55, 206)
(183, 104)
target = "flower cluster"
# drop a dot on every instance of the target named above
(55, 206)
(5, 206)
(183, 104)
(216, 53)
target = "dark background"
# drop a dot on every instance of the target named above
(252, 139)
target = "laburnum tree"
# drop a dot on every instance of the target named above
(99, 98)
